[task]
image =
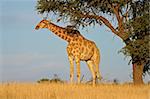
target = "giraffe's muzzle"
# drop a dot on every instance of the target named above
(37, 27)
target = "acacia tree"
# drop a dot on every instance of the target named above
(138, 45)
(87, 12)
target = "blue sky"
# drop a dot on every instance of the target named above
(28, 54)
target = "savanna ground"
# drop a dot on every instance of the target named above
(74, 91)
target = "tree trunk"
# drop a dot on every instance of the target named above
(137, 73)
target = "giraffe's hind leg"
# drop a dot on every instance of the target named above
(90, 64)
(96, 60)
(97, 72)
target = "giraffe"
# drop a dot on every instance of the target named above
(78, 49)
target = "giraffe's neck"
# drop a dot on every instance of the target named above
(60, 32)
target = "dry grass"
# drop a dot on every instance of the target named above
(67, 91)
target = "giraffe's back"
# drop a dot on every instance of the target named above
(81, 48)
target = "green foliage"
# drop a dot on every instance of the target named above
(116, 81)
(43, 80)
(138, 44)
(55, 79)
(73, 10)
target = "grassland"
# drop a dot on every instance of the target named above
(68, 91)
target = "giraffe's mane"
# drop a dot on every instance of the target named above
(70, 29)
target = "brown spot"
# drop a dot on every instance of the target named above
(59, 35)
(77, 51)
(73, 39)
(76, 38)
(70, 76)
(56, 33)
(85, 43)
(62, 36)
(66, 38)
(82, 49)
(74, 51)
(59, 31)
(80, 40)
(79, 44)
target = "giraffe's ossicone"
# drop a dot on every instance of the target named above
(79, 49)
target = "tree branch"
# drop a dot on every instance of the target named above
(119, 33)
(122, 35)
(104, 20)
(119, 18)
(101, 18)
(121, 29)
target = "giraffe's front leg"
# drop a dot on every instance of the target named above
(78, 69)
(71, 69)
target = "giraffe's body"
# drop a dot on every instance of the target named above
(78, 49)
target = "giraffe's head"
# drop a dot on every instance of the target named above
(43, 24)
